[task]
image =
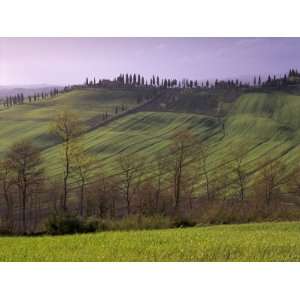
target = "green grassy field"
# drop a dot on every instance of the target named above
(251, 242)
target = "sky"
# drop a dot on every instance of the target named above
(63, 61)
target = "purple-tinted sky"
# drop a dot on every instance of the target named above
(70, 60)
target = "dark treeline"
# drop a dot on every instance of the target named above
(137, 80)
(131, 80)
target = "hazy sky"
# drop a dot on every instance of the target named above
(70, 60)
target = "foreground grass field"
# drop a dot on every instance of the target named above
(249, 242)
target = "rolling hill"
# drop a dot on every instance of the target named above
(266, 122)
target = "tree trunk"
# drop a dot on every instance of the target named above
(113, 208)
(207, 186)
(9, 210)
(128, 200)
(65, 193)
(177, 189)
(66, 176)
(157, 198)
(24, 211)
(82, 198)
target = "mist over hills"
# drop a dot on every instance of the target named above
(26, 90)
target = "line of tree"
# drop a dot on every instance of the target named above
(137, 80)
(132, 80)
(19, 99)
(14, 100)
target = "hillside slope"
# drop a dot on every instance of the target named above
(267, 123)
(32, 119)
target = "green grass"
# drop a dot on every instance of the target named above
(144, 133)
(32, 119)
(251, 242)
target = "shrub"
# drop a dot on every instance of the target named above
(69, 224)
(91, 225)
(136, 222)
(183, 222)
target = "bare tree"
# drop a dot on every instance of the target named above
(293, 184)
(82, 163)
(189, 185)
(6, 179)
(203, 154)
(160, 171)
(67, 127)
(103, 196)
(131, 167)
(25, 162)
(221, 182)
(270, 179)
(179, 155)
(241, 177)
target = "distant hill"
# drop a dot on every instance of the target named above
(26, 90)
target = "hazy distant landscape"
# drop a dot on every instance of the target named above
(27, 90)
